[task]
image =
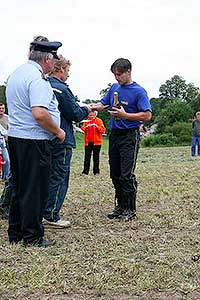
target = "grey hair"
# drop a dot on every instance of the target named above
(39, 56)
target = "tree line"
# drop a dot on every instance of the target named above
(173, 111)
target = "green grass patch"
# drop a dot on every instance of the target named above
(148, 258)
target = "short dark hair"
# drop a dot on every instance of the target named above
(122, 65)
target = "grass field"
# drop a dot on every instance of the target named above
(152, 257)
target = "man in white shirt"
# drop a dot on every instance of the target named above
(34, 119)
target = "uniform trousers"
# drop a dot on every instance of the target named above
(30, 167)
(123, 151)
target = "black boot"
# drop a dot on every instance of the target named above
(118, 207)
(129, 212)
(118, 203)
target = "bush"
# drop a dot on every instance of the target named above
(182, 131)
(178, 133)
(175, 111)
(166, 139)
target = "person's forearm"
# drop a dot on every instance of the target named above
(43, 117)
(140, 116)
(122, 114)
(98, 106)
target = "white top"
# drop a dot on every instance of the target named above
(27, 88)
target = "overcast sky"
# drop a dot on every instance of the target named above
(160, 38)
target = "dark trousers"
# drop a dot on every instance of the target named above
(123, 150)
(59, 182)
(30, 167)
(88, 153)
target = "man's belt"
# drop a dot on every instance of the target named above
(124, 131)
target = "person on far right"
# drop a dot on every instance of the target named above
(129, 107)
(196, 134)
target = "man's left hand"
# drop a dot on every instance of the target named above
(118, 112)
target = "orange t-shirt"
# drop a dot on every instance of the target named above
(93, 134)
(90, 134)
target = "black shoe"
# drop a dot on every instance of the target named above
(46, 243)
(127, 215)
(41, 243)
(117, 211)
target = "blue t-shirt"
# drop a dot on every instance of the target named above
(133, 98)
(26, 88)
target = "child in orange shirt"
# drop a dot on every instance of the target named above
(93, 128)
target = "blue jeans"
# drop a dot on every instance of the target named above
(6, 166)
(195, 140)
(59, 181)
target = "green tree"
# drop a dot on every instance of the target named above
(89, 101)
(104, 91)
(175, 111)
(195, 105)
(156, 108)
(177, 88)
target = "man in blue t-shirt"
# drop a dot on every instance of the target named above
(129, 106)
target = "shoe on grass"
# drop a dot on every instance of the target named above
(41, 243)
(46, 243)
(59, 223)
(127, 214)
(117, 211)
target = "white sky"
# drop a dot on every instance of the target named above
(159, 37)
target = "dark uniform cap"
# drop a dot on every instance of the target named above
(49, 47)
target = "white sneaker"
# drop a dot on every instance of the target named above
(59, 223)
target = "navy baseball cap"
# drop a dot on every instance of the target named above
(49, 47)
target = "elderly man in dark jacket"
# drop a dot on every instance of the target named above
(61, 153)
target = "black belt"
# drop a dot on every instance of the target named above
(124, 131)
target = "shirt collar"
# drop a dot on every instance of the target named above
(61, 81)
(32, 62)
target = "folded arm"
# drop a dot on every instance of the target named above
(43, 117)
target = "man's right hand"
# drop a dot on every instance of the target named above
(61, 135)
(97, 106)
